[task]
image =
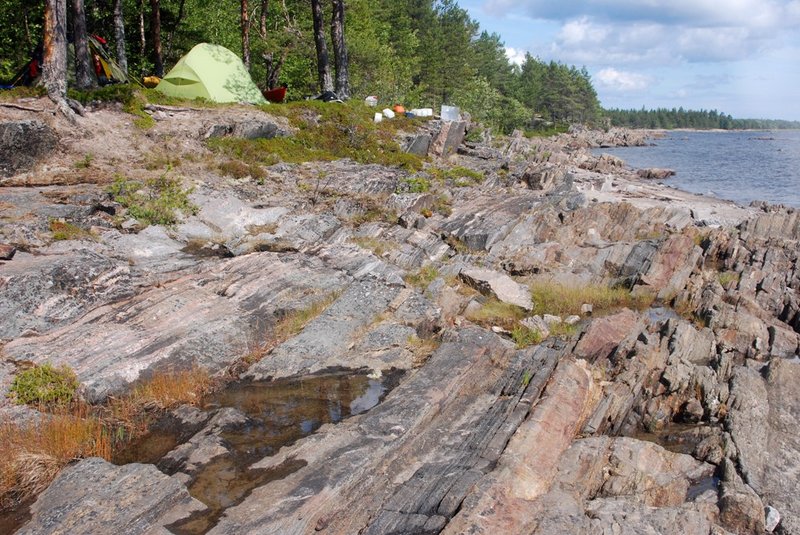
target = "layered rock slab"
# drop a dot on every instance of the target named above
(207, 320)
(407, 464)
(96, 497)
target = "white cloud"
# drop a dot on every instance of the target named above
(621, 81)
(515, 55)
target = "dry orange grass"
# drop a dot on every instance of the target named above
(34, 453)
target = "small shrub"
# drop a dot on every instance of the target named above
(525, 337)
(154, 202)
(239, 169)
(85, 162)
(415, 184)
(44, 384)
(67, 231)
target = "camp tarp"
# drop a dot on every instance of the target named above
(212, 72)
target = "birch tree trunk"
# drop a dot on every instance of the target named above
(341, 62)
(84, 72)
(119, 36)
(323, 65)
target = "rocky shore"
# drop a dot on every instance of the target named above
(675, 412)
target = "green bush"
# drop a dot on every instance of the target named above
(44, 384)
(157, 201)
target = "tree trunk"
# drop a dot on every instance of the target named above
(142, 35)
(323, 66)
(263, 18)
(119, 36)
(54, 70)
(155, 31)
(245, 23)
(340, 59)
(85, 77)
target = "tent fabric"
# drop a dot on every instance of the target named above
(212, 72)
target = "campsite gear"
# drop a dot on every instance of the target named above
(212, 72)
(151, 81)
(389, 114)
(423, 112)
(378, 117)
(398, 109)
(276, 95)
(410, 115)
(371, 101)
(105, 69)
(450, 113)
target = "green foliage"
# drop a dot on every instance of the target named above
(123, 93)
(415, 184)
(325, 132)
(157, 201)
(44, 384)
(525, 337)
(85, 162)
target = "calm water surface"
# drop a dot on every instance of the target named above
(739, 166)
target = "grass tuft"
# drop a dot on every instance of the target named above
(34, 452)
(496, 312)
(422, 277)
(564, 300)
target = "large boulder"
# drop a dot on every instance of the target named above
(22, 144)
(499, 285)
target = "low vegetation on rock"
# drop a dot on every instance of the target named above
(156, 201)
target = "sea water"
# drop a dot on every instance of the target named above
(741, 166)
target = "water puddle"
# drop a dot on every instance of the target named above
(277, 414)
(677, 438)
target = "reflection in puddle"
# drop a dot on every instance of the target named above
(278, 413)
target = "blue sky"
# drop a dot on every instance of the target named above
(737, 56)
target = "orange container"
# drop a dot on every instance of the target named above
(399, 109)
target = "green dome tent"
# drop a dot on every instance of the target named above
(212, 72)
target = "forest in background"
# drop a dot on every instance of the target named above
(668, 119)
(413, 52)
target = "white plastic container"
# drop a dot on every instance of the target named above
(371, 100)
(423, 112)
(389, 114)
(378, 117)
(450, 113)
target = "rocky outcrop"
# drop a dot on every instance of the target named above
(23, 144)
(579, 432)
